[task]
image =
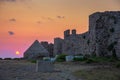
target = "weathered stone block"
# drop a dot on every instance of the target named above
(44, 66)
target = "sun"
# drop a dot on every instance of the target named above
(17, 52)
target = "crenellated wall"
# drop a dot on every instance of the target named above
(72, 44)
(102, 39)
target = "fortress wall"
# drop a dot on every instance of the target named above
(102, 39)
(58, 42)
(104, 28)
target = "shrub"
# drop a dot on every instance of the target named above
(46, 58)
(78, 59)
(87, 56)
(33, 61)
(16, 58)
(96, 59)
(117, 65)
(0, 58)
(7, 58)
(61, 57)
(90, 60)
(111, 60)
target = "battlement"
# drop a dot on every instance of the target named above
(74, 32)
(67, 33)
(104, 31)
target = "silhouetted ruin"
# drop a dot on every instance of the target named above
(102, 39)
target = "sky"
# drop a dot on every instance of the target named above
(24, 21)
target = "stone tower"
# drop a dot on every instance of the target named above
(66, 33)
(104, 29)
(74, 32)
(58, 44)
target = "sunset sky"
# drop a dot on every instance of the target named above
(23, 21)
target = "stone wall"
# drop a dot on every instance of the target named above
(75, 44)
(72, 44)
(58, 43)
(102, 39)
(49, 47)
(104, 34)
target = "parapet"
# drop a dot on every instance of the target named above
(74, 32)
(66, 33)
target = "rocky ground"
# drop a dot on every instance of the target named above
(24, 70)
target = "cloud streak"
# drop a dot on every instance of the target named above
(7, 0)
(60, 17)
(12, 20)
(39, 22)
(47, 18)
(14, 0)
(11, 33)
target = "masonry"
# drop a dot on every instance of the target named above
(102, 38)
(48, 47)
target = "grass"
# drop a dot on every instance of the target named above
(61, 58)
(117, 65)
(100, 60)
(32, 61)
(79, 59)
(99, 74)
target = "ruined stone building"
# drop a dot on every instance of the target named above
(49, 47)
(36, 51)
(39, 50)
(102, 38)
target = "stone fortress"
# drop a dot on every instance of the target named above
(102, 38)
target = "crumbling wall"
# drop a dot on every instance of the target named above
(49, 47)
(58, 42)
(72, 44)
(104, 34)
(102, 39)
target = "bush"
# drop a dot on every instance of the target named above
(96, 59)
(111, 60)
(46, 58)
(78, 59)
(33, 61)
(90, 60)
(87, 56)
(7, 58)
(16, 58)
(117, 65)
(61, 57)
(0, 58)
(100, 59)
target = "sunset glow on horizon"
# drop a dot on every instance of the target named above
(24, 21)
(17, 53)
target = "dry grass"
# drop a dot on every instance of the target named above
(99, 74)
